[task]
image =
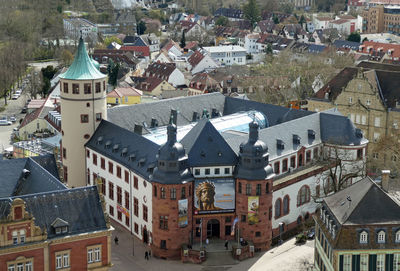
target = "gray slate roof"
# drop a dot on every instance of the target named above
(369, 205)
(206, 147)
(143, 149)
(40, 179)
(80, 207)
(128, 116)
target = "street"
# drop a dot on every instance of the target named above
(285, 257)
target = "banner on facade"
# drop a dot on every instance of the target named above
(214, 196)
(182, 215)
(252, 210)
(122, 210)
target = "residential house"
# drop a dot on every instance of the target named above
(353, 232)
(325, 36)
(346, 46)
(203, 83)
(124, 95)
(163, 57)
(172, 48)
(165, 71)
(126, 21)
(356, 5)
(200, 61)
(250, 43)
(125, 58)
(152, 41)
(368, 96)
(230, 13)
(153, 86)
(191, 29)
(301, 47)
(46, 226)
(265, 26)
(388, 51)
(344, 27)
(228, 55)
(294, 31)
(276, 42)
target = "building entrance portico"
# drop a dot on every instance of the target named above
(213, 228)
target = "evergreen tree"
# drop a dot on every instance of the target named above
(183, 40)
(252, 12)
(141, 28)
(355, 36)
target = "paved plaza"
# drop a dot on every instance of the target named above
(129, 255)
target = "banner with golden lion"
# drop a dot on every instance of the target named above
(214, 196)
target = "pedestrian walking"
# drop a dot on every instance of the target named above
(207, 242)
(146, 255)
(226, 244)
(116, 240)
(150, 253)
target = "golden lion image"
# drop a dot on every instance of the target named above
(205, 193)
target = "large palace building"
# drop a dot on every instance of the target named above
(177, 171)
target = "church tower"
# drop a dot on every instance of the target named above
(83, 105)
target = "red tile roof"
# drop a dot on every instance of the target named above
(187, 25)
(191, 44)
(122, 92)
(160, 70)
(170, 44)
(141, 50)
(371, 47)
(195, 58)
(31, 116)
(149, 84)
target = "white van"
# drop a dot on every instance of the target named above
(5, 122)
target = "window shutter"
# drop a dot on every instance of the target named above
(341, 263)
(372, 262)
(389, 262)
(355, 262)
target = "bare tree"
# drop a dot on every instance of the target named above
(35, 84)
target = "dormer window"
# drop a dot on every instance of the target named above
(363, 237)
(296, 140)
(280, 145)
(397, 239)
(60, 226)
(311, 134)
(381, 237)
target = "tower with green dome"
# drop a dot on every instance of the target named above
(83, 105)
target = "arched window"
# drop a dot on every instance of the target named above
(278, 208)
(304, 195)
(363, 237)
(381, 237)
(398, 236)
(286, 205)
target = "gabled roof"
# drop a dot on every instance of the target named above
(149, 84)
(363, 203)
(160, 70)
(143, 150)
(139, 50)
(229, 12)
(82, 68)
(134, 41)
(80, 207)
(206, 147)
(13, 182)
(124, 92)
(346, 44)
(195, 58)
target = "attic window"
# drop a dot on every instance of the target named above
(142, 161)
(311, 134)
(132, 157)
(115, 148)
(296, 140)
(108, 144)
(280, 145)
(124, 152)
(99, 140)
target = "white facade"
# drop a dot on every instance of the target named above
(228, 55)
(250, 43)
(142, 193)
(176, 78)
(343, 27)
(321, 23)
(207, 63)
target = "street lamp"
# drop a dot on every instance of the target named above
(280, 232)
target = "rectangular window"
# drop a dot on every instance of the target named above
(183, 193)
(98, 87)
(164, 222)
(126, 176)
(135, 182)
(243, 218)
(197, 171)
(173, 193)
(97, 254)
(308, 156)
(155, 191)
(65, 169)
(59, 261)
(240, 188)
(127, 221)
(258, 189)
(266, 188)
(227, 170)
(28, 266)
(276, 167)
(110, 167)
(87, 88)
(111, 190)
(66, 260)
(65, 86)
(144, 212)
(136, 228)
(163, 244)
(284, 165)
(207, 171)
(84, 118)
(377, 122)
(248, 189)
(90, 255)
(88, 154)
(126, 200)
(64, 152)
(380, 262)
(119, 172)
(95, 159)
(119, 195)
(293, 161)
(162, 189)
(111, 208)
(75, 88)
(136, 207)
(216, 171)
(347, 262)
(98, 116)
(119, 215)
(364, 262)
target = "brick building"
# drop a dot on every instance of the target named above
(44, 225)
(381, 18)
(354, 232)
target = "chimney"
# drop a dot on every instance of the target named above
(138, 129)
(385, 180)
(26, 173)
(173, 117)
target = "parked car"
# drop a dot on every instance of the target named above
(15, 96)
(24, 110)
(12, 119)
(5, 122)
(18, 91)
